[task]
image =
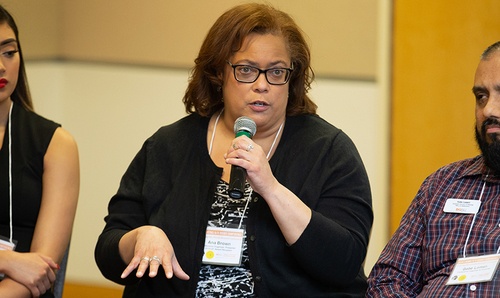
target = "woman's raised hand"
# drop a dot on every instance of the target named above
(151, 249)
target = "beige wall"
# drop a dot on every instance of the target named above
(342, 33)
(39, 24)
(436, 47)
(111, 108)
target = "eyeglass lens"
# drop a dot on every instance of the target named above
(249, 74)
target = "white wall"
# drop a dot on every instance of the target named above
(111, 110)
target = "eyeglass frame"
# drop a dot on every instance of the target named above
(261, 71)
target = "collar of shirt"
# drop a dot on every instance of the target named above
(478, 167)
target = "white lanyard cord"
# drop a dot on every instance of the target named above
(215, 128)
(275, 139)
(10, 172)
(246, 206)
(213, 132)
(267, 156)
(474, 218)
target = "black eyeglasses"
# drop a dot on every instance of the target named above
(249, 74)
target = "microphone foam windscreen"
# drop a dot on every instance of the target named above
(245, 123)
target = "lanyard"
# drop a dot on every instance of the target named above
(10, 172)
(474, 220)
(215, 128)
(267, 156)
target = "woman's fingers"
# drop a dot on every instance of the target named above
(33, 270)
(154, 264)
(152, 249)
(131, 266)
(169, 263)
(177, 270)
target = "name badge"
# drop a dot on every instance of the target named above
(462, 206)
(223, 246)
(5, 244)
(474, 269)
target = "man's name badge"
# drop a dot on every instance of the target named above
(474, 269)
(223, 246)
(462, 206)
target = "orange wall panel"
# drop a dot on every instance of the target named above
(436, 48)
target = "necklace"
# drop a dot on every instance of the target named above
(215, 129)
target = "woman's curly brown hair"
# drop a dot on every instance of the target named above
(203, 94)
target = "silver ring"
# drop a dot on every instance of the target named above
(155, 258)
(250, 147)
(146, 259)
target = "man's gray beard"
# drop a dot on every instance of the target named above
(491, 152)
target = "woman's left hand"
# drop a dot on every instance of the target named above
(290, 213)
(151, 249)
(244, 152)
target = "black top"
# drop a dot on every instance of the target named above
(31, 135)
(171, 184)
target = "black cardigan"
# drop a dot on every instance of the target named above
(171, 184)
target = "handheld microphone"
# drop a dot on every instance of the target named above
(242, 126)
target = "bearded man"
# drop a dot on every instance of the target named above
(448, 241)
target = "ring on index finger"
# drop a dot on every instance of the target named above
(235, 147)
(155, 258)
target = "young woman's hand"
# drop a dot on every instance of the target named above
(33, 270)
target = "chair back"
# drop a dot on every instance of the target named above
(61, 275)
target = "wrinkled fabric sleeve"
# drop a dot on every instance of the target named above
(398, 271)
